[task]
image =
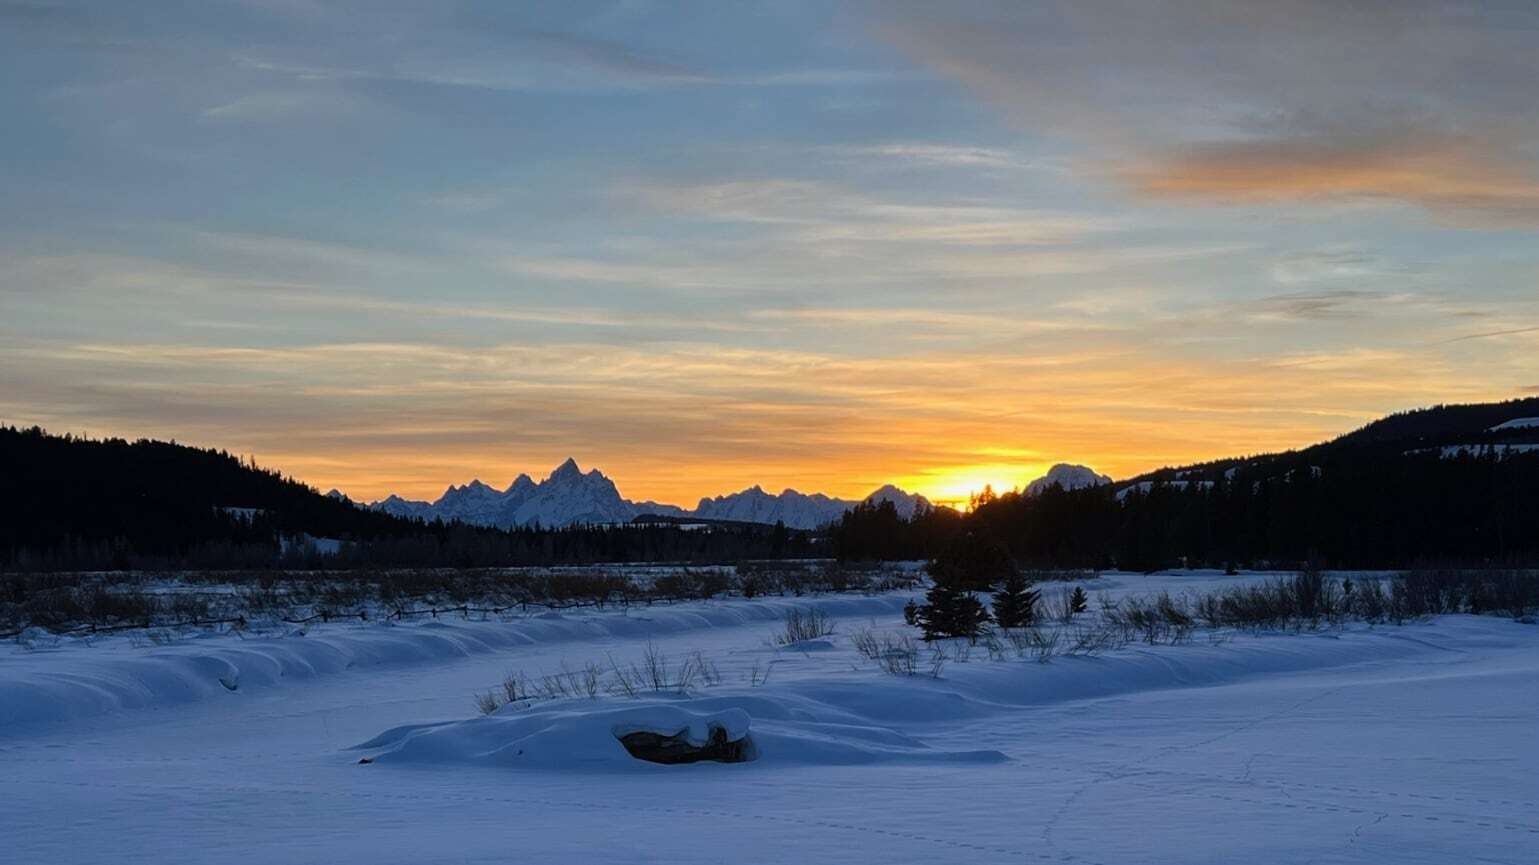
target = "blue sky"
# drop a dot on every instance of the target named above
(387, 246)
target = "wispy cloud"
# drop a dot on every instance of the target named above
(697, 411)
(1461, 181)
(708, 245)
(815, 212)
(962, 156)
(1493, 334)
(925, 318)
(268, 105)
(1414, 102)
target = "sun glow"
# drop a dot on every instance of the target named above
(956, 486)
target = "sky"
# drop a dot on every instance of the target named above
(387, 246)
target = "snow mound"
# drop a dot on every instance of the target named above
(1517, 423)
(584, 735)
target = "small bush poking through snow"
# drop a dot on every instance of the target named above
(800, 625)
(654, 673)
(897, 654)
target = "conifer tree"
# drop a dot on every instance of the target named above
(1078, 601)
(1015, 602)
(950, 611)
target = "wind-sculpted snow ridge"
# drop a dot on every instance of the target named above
(584, 735)
(76, 679)
(866, 717)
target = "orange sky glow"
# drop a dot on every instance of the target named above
(829, 247)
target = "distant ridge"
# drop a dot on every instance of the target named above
(570, 496)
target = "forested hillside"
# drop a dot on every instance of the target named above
(1427, 487)
(83, 504)
(1449, 485)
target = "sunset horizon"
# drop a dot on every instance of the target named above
(821, 248)
(613, 432)
(650, 478)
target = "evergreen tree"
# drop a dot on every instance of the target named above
(1078, 601)
(1015, 602)
(972, 561)
(950, 611)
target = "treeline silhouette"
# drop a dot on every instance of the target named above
(1366, 501)
(72, 503)
(1431, 487)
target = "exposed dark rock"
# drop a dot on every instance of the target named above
(657, 748)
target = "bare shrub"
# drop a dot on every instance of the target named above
(759, 673)
(704, 670)
(1094, 639)
(1019, 641)
(487, 703)
(866, 643)
(1368, 600)
(1179, 621)
(799, 625)
(1060, 607)
(994, 646)
(514, 688)
(899, 655)
(621, 683)
(1437, 591)
(1044, 645)
(937, 660)
(654, 668)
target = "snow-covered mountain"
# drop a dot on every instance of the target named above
(754, 505)
(907, 504)
(476, 502)
(571, 496)
(1069, 477)
(800, 510)
(567, 497)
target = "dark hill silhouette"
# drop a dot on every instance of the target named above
(71, 503)
(1430, 486)
(1397, 492)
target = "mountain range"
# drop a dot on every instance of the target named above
(1448, 483)
(570, 496)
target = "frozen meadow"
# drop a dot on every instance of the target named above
(362, 742)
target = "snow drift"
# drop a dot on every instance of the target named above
(585, 735)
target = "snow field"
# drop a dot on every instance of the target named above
(1388, 744)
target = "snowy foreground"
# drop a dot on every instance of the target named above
(1417, 743)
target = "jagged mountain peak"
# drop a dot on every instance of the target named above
(1068, 476)
(569, 495)
(906, 503)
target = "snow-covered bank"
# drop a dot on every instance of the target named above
(80, 678)
(1404, 744)
(830, 715)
